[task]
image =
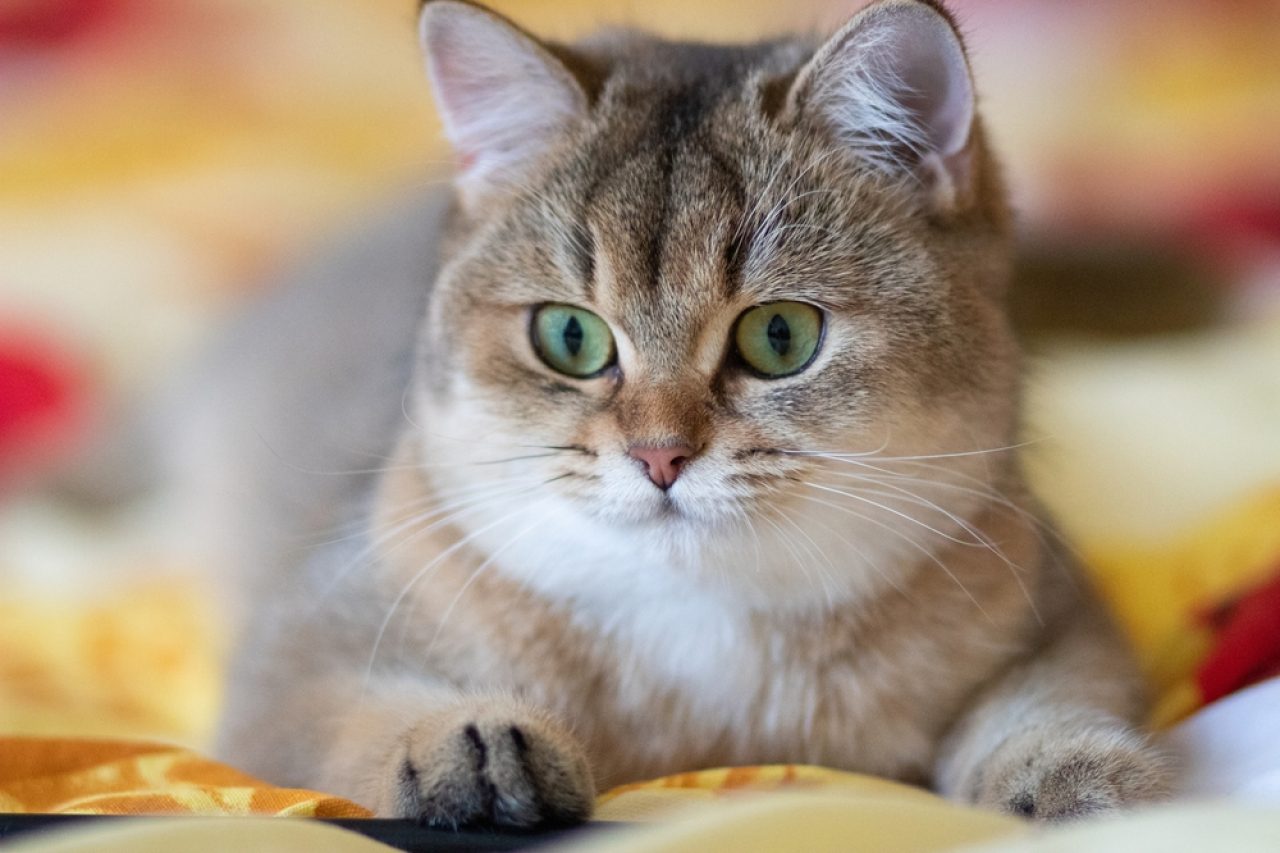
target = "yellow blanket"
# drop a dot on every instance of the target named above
(80, 776)
(149, 662)
(84, 776)
(123, 228)
(820, 810)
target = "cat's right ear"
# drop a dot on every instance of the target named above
(503, 97)
(894, 89)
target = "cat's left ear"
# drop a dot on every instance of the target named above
(893, 87)
(504, 98)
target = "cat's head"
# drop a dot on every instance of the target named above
(679, 273)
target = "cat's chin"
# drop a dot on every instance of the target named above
(665, 514)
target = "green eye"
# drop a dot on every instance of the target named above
(572, 340)
(779, 338)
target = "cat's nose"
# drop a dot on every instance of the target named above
(662, 464)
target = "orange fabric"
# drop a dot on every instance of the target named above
(657, 799)
(84, 776)
(70, 776)
(766, 777)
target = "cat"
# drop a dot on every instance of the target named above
(678, 432)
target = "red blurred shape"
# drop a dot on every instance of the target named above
(41, 403)
(1247, 647)
(46, 23)
(1229, 225)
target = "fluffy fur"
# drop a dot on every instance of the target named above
(507, 613)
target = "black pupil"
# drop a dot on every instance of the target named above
(779, 335)
(573, 336)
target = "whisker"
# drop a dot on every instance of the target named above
(905, 516)
(488, 561)
(783, 162)
(985, 493)
(983, 540)
(796, 557)
(421, 573)
(404, 407)
(826, 589)
(989, 491)
(888, 578)
(789, 451)
(508, 459)
(442, 517)
(439, 498)
(755, 534)
(914, 544)
(980, 539)
(831, 454)
(787, 197)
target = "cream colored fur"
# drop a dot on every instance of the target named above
(498, 613)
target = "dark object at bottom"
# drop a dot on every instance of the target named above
(401, 834)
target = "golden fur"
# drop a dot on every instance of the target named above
(848, 571)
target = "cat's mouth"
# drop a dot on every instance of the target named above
(668, 508)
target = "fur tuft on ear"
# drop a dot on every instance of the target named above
(503, 97)
(893, 87)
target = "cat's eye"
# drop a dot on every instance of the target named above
(779, 338)
(572, 340)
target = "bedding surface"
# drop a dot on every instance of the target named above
(164, 159)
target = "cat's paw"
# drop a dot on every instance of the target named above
(501, 767)
(1061, 776)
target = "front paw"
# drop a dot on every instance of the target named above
(499, 767)
(1056, 776)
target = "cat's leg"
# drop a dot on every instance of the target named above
(1054, 737)
(413, 750)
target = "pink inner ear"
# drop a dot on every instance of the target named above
(924, 61)
(894, 86)
(503, 99)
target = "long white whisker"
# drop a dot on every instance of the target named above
(432, 503)
(418, 576)
(857, 552)
(755, 534)
(984, 490)
(903, 515)
(796, 556)
(488, 561)
(907, 539)
(443, 516)
(831, 454)
(896, 492)
(823, 577)
(983, 540)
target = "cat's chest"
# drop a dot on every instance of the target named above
(690, 683)
(659, 677)
(700, 654)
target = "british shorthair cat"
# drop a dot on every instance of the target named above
(678, 432)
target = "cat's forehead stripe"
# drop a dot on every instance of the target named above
(663, 206)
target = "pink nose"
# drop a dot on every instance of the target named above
(662, 464)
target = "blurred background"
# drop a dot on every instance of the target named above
(163, 160)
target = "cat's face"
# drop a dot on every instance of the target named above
(661, 329)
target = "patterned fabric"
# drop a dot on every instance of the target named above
(153, 175)
(79, 776)
(116, 777)
(659, 798)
